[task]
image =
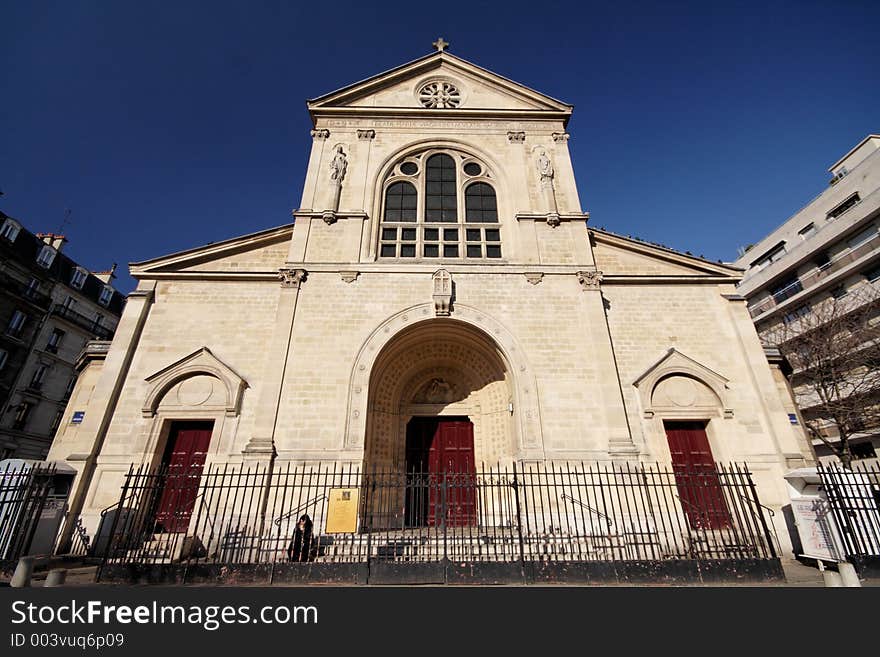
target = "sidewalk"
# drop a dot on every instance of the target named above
(797, 575)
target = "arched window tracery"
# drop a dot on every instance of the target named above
(440, 204)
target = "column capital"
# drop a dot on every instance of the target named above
(291, 278)
(590, 280)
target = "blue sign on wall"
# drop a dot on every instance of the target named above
(77, 417)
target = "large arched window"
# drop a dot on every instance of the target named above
(440, 204)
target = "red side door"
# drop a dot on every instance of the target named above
(696, 476)
(452, 468)
(184, 461)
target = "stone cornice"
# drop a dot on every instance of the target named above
(382, 268)
(145, 269)
(447, 114)
(664, 253)
(553, 218)
(329, 216)
(430, 268)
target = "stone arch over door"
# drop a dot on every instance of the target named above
(678, 387)
(418, 364)
(199, 387)
(678, 393)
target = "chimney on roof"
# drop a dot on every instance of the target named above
(107, 277)
(57, 242)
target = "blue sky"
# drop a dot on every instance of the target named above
(163, 126)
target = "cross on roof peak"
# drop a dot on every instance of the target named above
(440, 45)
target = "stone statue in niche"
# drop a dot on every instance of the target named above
(545, 174)
(545, 168)
(338, 165)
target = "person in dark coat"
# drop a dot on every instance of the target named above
(300, 548)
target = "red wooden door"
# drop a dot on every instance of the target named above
(696, 476)
(183, 463)
(451, 463)
(440, 472)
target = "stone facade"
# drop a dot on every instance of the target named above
(319, 340)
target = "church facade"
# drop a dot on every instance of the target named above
(440, 279)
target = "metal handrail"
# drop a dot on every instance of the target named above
(304, 505)
(589, 508)
(202, 504)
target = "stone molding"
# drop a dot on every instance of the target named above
(201, 361)
(676, 363)
(552, 219)
(516, 137)
(366, 135)
(320, 134)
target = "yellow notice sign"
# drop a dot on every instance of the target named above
(342, 511)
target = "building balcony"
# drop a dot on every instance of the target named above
(86, 323)
(800, 251)
(817, 276)
(19, 289)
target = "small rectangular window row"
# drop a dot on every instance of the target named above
(405, 242)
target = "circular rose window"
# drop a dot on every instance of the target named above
(439, 95)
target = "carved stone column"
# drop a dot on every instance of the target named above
(620, 442)
(262, 443)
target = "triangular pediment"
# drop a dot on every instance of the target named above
(265, 251)
(622, 256)
(675, 364)
(672, 362)
(479, 89)
(200, 362)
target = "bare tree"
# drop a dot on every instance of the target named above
(833, 348)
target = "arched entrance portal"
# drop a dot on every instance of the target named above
(442, 385)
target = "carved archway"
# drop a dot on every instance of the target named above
(471, 354)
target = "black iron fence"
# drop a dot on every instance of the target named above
(24, 491)
(329, 514)
(854, 498)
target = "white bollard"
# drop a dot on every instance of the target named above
(24, 570)
(848, 575)
(56, 577)
(831, 578)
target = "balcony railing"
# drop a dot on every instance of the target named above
(87, 323)
(20, 289)
(816, 276)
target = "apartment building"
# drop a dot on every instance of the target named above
(824, 261)
(50, 306)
